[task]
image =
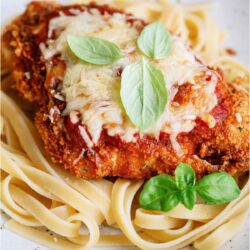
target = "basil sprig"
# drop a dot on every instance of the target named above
(164, 193)
(217, 188)
(143, 93)
(94, 50)
(154, 41)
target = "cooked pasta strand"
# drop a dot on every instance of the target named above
(37, 194)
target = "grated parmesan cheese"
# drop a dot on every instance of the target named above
(27, 75)
(85, 136)
(74, 117)
(94, 90)
(238, 117)
(52, 112)
(79, 157)
(59, 97)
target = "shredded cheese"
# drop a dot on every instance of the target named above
(27, 75)
(238, 117)
(79, 156)
(85, 136)
(94, 91)
(59, 97)
(52, 112)
(74, 117)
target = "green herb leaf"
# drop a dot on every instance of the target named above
(159, 193)
(188, 197)
(163, 192)
(143, 93)
(184, 176)
(94, 50)
(217, 188)
(154, 41)
(170, 202)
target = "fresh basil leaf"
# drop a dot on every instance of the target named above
(217, 188)
(188, 197)
(156, 191)
(94, 50)
(170, 202)
(154, 41)
(184, 176)
(143, 93)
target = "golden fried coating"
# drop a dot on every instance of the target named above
(225, 147)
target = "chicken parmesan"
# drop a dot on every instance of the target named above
(79, 112)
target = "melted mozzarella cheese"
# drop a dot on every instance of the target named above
(93, 91)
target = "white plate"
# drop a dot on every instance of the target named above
(233, 16)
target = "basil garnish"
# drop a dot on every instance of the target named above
(143, 93)
(187, 197)
(159, 193)
(163, 192)
(184, 176)
(94, 50)
(217, 188)
(154, 41)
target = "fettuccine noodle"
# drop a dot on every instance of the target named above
(38, 195)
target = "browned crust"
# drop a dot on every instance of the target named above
(225, 147)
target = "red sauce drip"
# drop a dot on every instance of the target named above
(183, 94)
(221, 111)
(201, 125)
(74, 133)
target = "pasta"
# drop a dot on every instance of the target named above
(39, 195)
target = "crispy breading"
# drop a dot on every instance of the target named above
(222, 148)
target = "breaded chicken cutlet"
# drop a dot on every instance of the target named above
(79, 114)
